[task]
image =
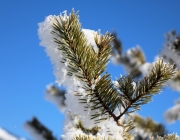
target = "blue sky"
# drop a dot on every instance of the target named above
(25, 70)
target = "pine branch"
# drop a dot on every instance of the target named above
(146, 88)
(117, 45)
(92, 131)
(126, 86)
(57, 96)
(133, 59)
(171, 54)
(106, 98)
(40, 129)
(87, 65)
(126, 136)
(82, 60)
(103, 43)
(85, 137)
(177, 77)
(173, 113)
(149, 126)
(168, 137)
(176, 45)
(173, 41)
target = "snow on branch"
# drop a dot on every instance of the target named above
(173, 113)
(80, 57)
(38, 131)
(56, 96)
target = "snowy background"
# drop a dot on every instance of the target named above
(25, 70)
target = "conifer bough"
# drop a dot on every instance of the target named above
(95, 105)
